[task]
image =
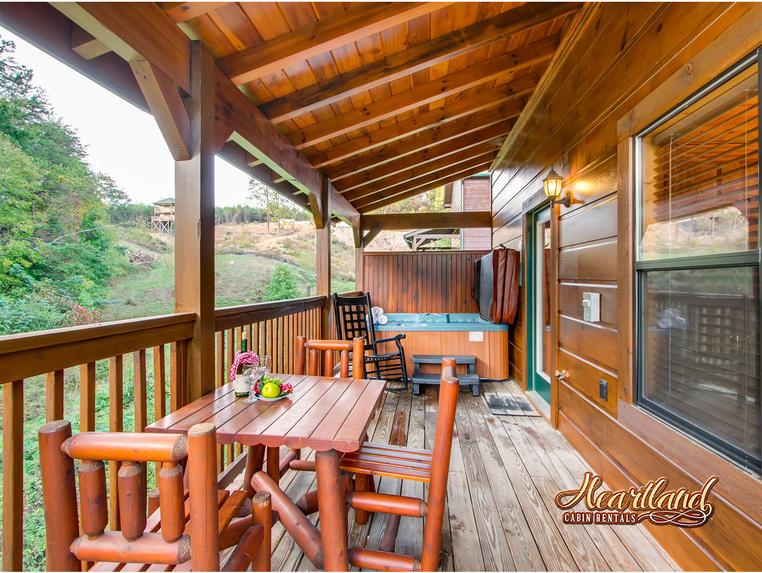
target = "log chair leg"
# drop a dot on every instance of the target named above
(262, 510)
(333, 511)
(389, 537)
(361, 484)
(273, 463)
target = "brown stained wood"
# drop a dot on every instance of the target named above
(178, 370)
(320, 37)
(13, 475)
(92, 497)
(132, 499)
(115, 424)
(159, 383)
(59, 498)
(87, 397)
(184, 11)
(425, 93)
(171, 500)
(139, 382)
(414, 59)
(54, 395)
(202, 471)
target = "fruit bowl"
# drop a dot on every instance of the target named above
(270, 389)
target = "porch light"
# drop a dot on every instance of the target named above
(553, 185)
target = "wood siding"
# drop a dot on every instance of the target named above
(422, 282)
(628, 65)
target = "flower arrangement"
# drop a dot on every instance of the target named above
(243, 359)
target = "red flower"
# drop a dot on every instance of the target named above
(286, 388)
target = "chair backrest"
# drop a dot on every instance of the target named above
(308, 361)
(440, 466)
(352, 315)
(139, 540)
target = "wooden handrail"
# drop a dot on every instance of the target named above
(232, 316)
(30, 354)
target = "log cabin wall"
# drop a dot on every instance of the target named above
(623, 67)
(422, 282)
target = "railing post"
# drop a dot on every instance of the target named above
(323, 259)
(357, 232)
(194, 225)
(13, 475)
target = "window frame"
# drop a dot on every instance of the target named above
(641, 268)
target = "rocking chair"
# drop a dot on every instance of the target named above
(354, 320)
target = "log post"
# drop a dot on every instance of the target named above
(262, 510)
(333, 511)
(202, 472)
(59, 497)
(194, 225)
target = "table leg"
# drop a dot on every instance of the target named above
(333, 511)
(273, 463)
(254, 460)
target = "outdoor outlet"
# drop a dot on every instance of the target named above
(603, 389)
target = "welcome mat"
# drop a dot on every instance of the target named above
(509, 405)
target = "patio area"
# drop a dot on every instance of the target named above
(504, 473)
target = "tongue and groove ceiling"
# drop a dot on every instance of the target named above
(388, 100)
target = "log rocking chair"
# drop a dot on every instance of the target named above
(188, 524)
(354, 320)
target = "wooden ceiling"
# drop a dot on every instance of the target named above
(388, 100)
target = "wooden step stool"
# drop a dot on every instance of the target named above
(471, 378)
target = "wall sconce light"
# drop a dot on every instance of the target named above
(553, 185)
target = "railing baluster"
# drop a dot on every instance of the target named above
(177, 358)
(87, 397)
(141, 413)
(219, 380)
(159, 389)
(13, 475)
(115, 424)
(54, 396)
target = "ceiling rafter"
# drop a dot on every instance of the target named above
(320, 37)
(420, 168)
(452, 140)
(415, 59)
(511, 99)
(429, 92)
(184, 11)
(419, 181)
(446, 178)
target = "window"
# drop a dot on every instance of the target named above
(697, 265)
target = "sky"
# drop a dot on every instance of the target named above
(121, 140)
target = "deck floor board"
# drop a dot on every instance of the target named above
(504, 474)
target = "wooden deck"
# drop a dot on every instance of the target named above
(504, 474)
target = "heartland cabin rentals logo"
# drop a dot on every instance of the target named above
(652, 502)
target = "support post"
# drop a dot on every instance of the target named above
(323, 257)
(194, 225)
(357, 232)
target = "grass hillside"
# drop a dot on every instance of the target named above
(245, 257)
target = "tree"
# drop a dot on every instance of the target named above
(276, 206)
(282, 284)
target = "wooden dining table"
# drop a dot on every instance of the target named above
(329, 415)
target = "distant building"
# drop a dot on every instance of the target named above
(163, 218)
(470, 194)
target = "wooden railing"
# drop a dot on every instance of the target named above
(98, 356)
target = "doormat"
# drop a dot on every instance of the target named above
(509, 405)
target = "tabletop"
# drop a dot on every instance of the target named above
(322, 413)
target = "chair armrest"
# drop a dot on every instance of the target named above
(390, 339)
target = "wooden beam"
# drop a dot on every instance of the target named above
(446, 177)
(184, 11)
(440, 220)
(368, 198)
(166, 105)
(85, 45)
(408, 167)
(194, 226)
(50, 31)
(142, 31)
(425, 93)
(510, 98)
(415, 59)
(427, 145)
(321, 37)
(323, 262)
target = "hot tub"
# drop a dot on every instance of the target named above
(452, 333)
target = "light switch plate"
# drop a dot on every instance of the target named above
(476, 336)
(591, 306)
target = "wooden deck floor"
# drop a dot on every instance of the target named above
(504, 475)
